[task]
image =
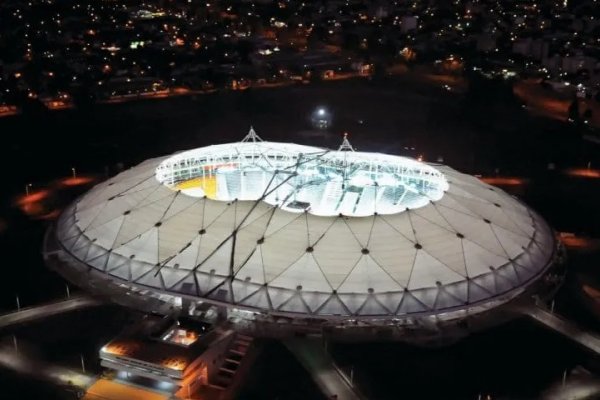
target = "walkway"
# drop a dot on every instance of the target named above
(105, 389)
(320, 365)
(20, 360)
(47, 310)
(563, 326)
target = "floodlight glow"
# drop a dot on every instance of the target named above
(321, 112)
(300, 178)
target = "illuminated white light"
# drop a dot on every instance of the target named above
(166, 386)
(321, 112)
(302, 178)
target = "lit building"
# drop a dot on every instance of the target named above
(282, 238)
(178, 356)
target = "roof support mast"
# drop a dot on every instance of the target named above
(251, 136)
(345, 147)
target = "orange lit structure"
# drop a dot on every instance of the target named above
(7, 110)
(110, 389)
(179, 353)
(77, 181)
(32, 204)
(581, 243)
(504, 180)
(60, 102)
(584, 173)
(181, 336)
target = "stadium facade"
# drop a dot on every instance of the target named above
(281, 238)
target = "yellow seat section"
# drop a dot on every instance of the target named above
(207, 183)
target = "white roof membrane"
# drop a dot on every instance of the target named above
(308, 231)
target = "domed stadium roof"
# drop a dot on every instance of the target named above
(290, 229)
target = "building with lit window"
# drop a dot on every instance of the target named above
(282, 238)
(176, 356)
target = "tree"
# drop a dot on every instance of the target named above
(574, 111)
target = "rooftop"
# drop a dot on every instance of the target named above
(161, 341)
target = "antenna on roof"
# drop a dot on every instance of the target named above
(252, 136)
(346, 146)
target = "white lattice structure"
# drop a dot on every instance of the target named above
(301, 231)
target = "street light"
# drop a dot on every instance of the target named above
(27, 186)
(321, 118)
(74, 173)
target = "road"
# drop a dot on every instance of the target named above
(552, 104)
(20, 362)
(578, 384)
(319, 364)
(47, 310)
(565, 327)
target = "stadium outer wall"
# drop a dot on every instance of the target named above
(425, 330)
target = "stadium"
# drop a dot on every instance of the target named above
(280, 238)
